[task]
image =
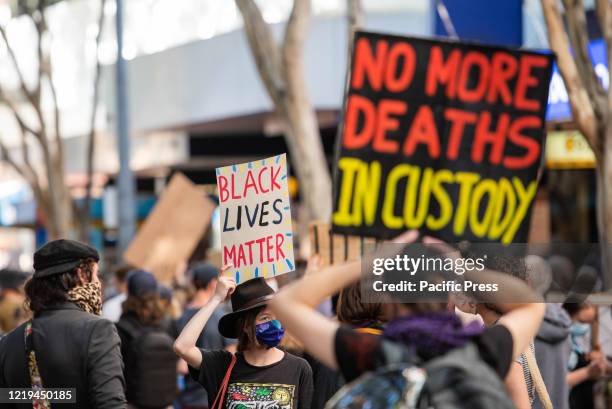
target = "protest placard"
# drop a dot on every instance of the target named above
(170, 234)
(336, 248)
(255, 217)
(440, 136)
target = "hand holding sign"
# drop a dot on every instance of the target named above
(256, 231)
(225, 285)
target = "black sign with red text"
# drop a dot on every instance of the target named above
(445, 137)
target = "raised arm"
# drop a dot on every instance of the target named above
(517, 387)
(185, 344)
(522, 318)
(295, 305)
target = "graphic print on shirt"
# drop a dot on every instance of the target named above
(259, 396)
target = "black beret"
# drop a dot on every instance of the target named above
(61, 256)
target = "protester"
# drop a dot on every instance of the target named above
(552, 349)
(518, 381)
(150, 363)
(12, 311)
(111, 309)
(605, 329)
(169, 309)
(552, 341)
(67, 344)
(524, 381)
(260, 374)
(585, 367)
(427, 328)
(365, 316)
(605, 340)
(204, 278)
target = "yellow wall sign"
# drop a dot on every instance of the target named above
(568, 150)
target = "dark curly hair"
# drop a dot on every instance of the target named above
(42, 293)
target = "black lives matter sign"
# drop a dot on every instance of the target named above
(444, 137)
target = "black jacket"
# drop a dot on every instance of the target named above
(74, 349)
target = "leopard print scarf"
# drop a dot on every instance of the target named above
(87, 297)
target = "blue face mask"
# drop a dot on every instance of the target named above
(269, 333)
(580, 329)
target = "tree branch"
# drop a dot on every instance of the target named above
(264, 49)
(30, 96)
(25, 154)
(91, 142)
(576, 19)
(25, 129)
(37, 18)
(25, 171)
(582, 108)
(603, 9)
(293, 50)
(6, 156)
(13, 58)
(45, 70)
(20, 121)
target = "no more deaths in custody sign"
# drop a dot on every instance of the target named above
(440, 136)
(256, 232)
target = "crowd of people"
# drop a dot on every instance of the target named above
(209, 342)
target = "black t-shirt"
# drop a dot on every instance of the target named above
(326, 382)
(193, 394)
(357, 353)
(286, 384)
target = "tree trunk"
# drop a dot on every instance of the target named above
(604, 204)
(282, 72)
(53, 197)
(59, 212)
(309, 162)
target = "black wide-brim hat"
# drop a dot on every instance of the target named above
(247, 296)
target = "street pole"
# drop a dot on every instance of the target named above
(125, 182)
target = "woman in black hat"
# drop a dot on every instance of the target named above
(260, 374)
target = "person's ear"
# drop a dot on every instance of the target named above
(83, 279)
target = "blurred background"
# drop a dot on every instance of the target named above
(187, 96)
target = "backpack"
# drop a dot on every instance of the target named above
(150, 366)
(459, 379)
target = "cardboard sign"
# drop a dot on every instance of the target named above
(336, 248)
(256, 232)
(444, 137)
(170, 234)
